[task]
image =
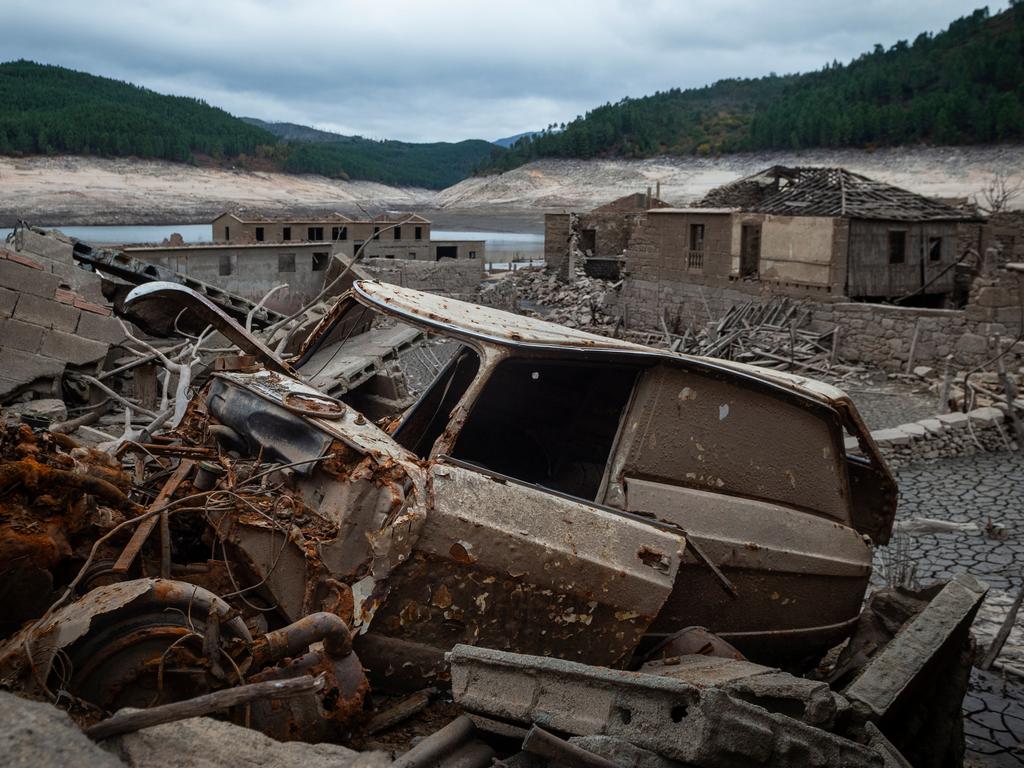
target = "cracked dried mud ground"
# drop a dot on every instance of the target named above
(986, 491)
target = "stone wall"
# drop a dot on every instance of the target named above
(945, 436)
(458, 278)
(878, 334)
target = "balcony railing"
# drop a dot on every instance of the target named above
(695, 261)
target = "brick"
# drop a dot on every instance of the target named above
(64, 296)
(96, 309)
(100, 328)
(72, 348)
(7, 301)
(46, 312)
(19, 335)
(20, 259)
(18, 277)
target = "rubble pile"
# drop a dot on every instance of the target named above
(254, 518)
(580, 303)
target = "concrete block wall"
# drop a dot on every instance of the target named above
(457, 278)
(47, 320)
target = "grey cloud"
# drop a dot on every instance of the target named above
(449, 70)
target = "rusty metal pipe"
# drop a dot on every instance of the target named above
(543, 744)
(438, 745)
(296, 638)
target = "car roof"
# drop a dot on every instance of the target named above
(476, 322)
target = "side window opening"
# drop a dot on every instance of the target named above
(429, 416)
(548, 423)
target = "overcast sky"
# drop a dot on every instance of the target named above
(449, 69)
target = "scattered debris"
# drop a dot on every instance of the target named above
(325, 505)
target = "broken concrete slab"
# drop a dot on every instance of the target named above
(202, 742)
(701, 727)
(890, 675)
(48, 408)
(809, 700)
(34, 734)
(933, 426)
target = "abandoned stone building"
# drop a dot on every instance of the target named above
(406, 237)
(821, 232)
(604, 233)
(250, 269)
(830, 230)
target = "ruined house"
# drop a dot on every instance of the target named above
(829, 230)
(250, 269)
(603, 234)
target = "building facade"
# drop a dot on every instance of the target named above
(250, 269)
(406, 237)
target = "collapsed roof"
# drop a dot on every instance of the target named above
(809, 191)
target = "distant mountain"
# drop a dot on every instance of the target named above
(48, 110)
(508, 141)
(962, 86)
(435, 165)
(296, 132)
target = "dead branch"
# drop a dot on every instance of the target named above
(128, 721)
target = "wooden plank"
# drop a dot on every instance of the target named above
(145, 528)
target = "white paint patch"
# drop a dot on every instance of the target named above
(723, 411)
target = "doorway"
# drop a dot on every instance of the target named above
(750, 250)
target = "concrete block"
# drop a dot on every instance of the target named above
(954, 420)
(20, 335)
(986, 417)
(72, 348)
(7, 301)
(890, 674)
(100, 328)
(46, 312)
(24, 367)
(914, 430)
(47, 247)
(18, 277)
(707, 728)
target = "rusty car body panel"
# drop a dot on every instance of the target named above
(553, 474)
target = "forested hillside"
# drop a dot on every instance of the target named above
(962, 86)
(47, 110)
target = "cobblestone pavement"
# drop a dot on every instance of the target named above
(885, 403)
(984, 495)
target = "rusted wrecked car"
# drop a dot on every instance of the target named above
(551, 492)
